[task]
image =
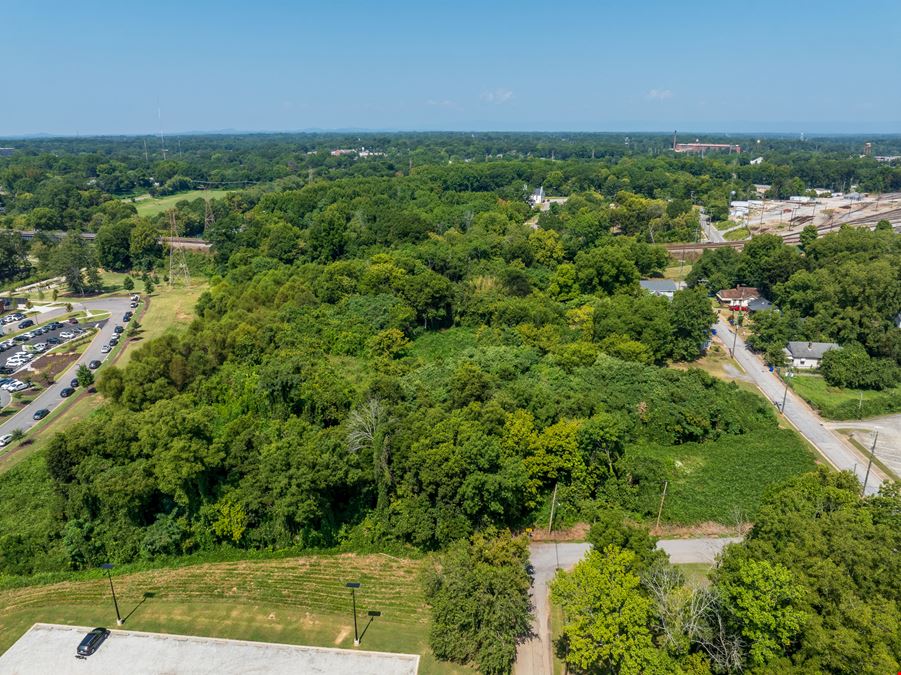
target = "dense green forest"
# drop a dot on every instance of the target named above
(398, 351)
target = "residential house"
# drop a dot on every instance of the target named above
(807, 354)
(665, 287)
(760, 305)
(738, 298)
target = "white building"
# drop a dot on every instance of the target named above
(537, 197)
(664, 287)
(808, 354)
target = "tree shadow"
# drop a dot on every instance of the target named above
(144, 599)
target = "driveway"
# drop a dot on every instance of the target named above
(831, 446)
(888, 443)
(534, 657)
(50, 398)
(681, 551)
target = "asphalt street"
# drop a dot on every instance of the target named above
(50, 398)
(836, 451)
(713, 234)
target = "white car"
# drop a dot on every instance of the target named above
(10, 386)
(104, 349)
(5, 439)
(67, 335)
(40, 347)
(19, 386)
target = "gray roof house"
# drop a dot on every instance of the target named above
(808, 354)
(760, 305)
(664, 287)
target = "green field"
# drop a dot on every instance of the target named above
(843, 404)
(150, 206)
(717, 480)
(735, 235)
(289, 600)
(169, 309)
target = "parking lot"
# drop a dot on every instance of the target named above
(95, 354)
(50, 648)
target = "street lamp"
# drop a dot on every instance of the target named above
(108, 567)
(353, 586)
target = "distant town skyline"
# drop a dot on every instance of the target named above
(110, 68)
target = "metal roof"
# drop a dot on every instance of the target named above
(810, 350)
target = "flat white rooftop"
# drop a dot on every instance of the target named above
(50, 648)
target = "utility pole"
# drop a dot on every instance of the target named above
(863, 490)
(734, 341)
(784, 394)
(660, 510)
(550, 521)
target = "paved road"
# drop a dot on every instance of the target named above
(836, 451)
(705, 550)
(713, 234)
(888, 443)
(534, 657)
(50, 398)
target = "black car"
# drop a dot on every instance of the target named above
(26, 323)
(94, 365)
(92, 641)
(74, 382)
(68, 391)
(40, 414)
(53, 340)
(126, 318)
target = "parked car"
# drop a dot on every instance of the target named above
(26, 323)
(40, 414)
(92, 641)
(113, 341)
(53, 340)
(67, 335)
(134, 304)
(73, 320)
(105, 349)
(74, 383)
(94, 365)
(5, 439)
(67, 392)
(40, 347)
(135, 297)
(118, 330)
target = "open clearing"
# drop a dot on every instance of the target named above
(150, 206)
(289, 600)
(169, 309)
(815, 390)
(48, 648)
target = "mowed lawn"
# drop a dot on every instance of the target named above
(825, 398)
(150, 206)
(168, 309)
(292, 600)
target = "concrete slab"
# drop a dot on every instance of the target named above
(50, 648)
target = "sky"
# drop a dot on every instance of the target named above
(92, 67)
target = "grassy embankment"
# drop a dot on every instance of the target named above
(150, 206)
(838, 403)
(739, 233)
(290, 600)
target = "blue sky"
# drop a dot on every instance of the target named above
(106, 67)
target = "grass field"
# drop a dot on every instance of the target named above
(290, 600)
(840, 403)
(720, 480)
(735, 235)
(169, 309)
(150, 206)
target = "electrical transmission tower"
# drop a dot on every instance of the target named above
(178, 266)
(209, 218)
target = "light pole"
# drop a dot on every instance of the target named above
(353, 586)
(108, 567)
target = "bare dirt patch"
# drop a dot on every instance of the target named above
(708, 529)
(578, 532)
